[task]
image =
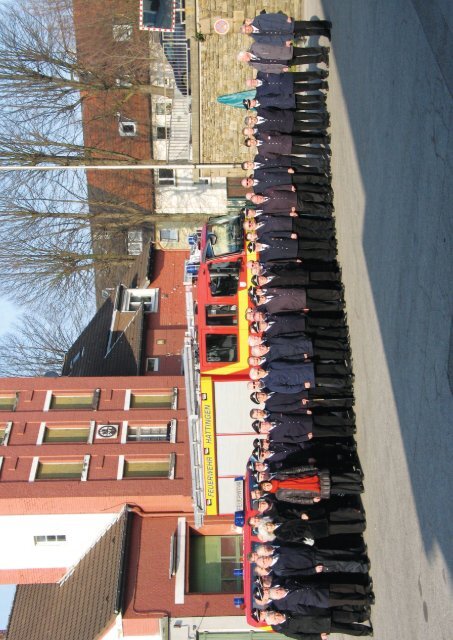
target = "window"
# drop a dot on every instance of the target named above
(212, 561)
(151, 432)
(162, 134)
(66, 433)
(134, 242)
(152, 365)
(147, 467)
(49, 540)
(221, 348)
(162, 399)
(224, 278)
(134, 298)
(61, 470)
(61, 401)
(5, 430)
(125, 82)
(122, 32)
(221, 314)
(169, 234)
(163, 108)
(166, 176)
(127, 128)
(8, 401)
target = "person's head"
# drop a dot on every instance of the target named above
(263, 505)
(264, 534)
(246, 28)
(250, 314)
(261, 397)
(247, 182)
(253, 361)
(252, 556)
(261, 571)
(249, 195)
(250, 213)
(251, 83)
(254, 521)
(262, 475)
(258, 414)
(249, 121)
(277, 592)
(251, 247)
(265, 426)
(254, 385)
(262, 280)
(265, 486)
(248, 165)
(244, 56)
(264, 562)
(251, 235)
(255, 267)
(256, 424)
(254, 340)
(256, 494)
(256, 198)
(248, 131)
(250, 142)
(273, 617)
(259, 350)
(264, 549)
(259, 466)
(256, 373)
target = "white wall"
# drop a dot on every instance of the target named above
(18, 550)
(189, 197)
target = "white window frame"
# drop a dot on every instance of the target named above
(122, 32)
(168, 181)
(49, 543)
(8, 428)
(1, 463)
(43, 426)
(83, 475)
(128, 396)
(141, 293)
(155, 365)
(172, 439)
(128, 123)
(171, 472)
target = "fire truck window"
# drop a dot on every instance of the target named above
(225, 315)
(224, 278)
(221, 348)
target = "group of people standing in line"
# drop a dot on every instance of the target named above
(305, 477)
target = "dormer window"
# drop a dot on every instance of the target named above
(127, 128)
(133, 298)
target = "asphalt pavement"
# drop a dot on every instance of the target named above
(391, 109)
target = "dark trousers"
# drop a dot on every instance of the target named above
(334, 419)
(304, 87)
(317, 277)
(333, 369)
(305, 137)
(350, 629)
(318, 99)
(312, 28)
(336, 383)
(306, 76)
(309, 162)
(313, 228)
(336, 432)
(331, 345)
(298, 149)
(301, 55)
(310, 179)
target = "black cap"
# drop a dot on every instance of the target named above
(250, 247)
(257, 442)
(256, 425)
(253, 397)
(254, 281)
(246, 104)
(256, 615)
(258, 592)
(255, 327)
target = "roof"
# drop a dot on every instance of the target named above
(107, 347)
(84, 604)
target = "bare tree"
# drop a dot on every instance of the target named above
(45, 74)
(36, 347)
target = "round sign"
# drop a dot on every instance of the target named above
(107, 431)
(221, 26)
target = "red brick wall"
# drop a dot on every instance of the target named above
(101, 491)
(169, 323)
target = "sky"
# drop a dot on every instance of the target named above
(9, 314)
(6, 599)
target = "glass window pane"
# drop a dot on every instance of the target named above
(208, 572)
(71, 402)
(147, 468)
(7, 403)
(221, 348)
(49, 470)
(152, 401)
(70, 434)
(221, 314)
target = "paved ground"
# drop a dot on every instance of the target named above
(391, 107)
